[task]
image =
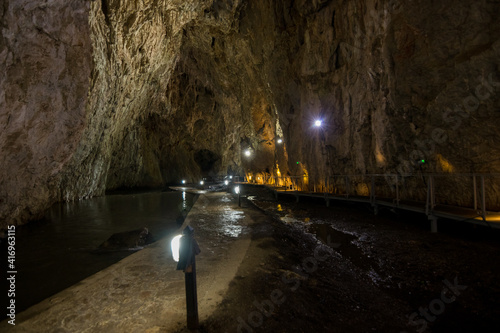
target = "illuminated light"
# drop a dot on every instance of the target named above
(280, 141)
(298, 162)
(237, 189)
(279, 208)
(226, 182)
(444, 164)
(422, 161)
(379, 156)
(362, 189)
(249, 177)
(230, 177)
(174, 246)
(202, 182)
(183, 181)
(248, 152)
(318, 123)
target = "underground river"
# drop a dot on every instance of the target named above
(62, 248)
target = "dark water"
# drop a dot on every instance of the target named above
(58, 251)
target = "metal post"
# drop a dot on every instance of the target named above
(397, 191)
(191, 297)
(188, 249)
(475, 191)
(372, 191)
(433, 223)
(483, 199)
(347, 186)
(239, 200)
(433, 194)
(427, 201)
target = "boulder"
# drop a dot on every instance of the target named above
(128, 240)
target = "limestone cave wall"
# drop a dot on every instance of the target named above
(105, 94)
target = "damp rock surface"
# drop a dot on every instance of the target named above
(383, 273)
(102, 95)
(134, 239)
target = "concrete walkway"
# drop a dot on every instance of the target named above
(144, 292)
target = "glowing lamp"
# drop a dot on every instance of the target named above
(202, 182)
(280, 141)
(248, 152)
(175, 245)
(318, 123)
(237, 189)
(183, 181)
(226, 182)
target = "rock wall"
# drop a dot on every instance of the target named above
(45, 66)
(106, 94)
(395, 83)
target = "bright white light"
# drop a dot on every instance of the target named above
(230, 177)
(183, 181)
(318, 123)
(174, 245)
(237, 190)
(202, 182)
(280, 141)
(248, 152)
(226, 182)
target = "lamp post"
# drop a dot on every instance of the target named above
(237, 191)
(324, 151)
(184, 249)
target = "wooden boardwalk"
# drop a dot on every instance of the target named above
(490, 219)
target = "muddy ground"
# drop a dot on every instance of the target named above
(312, 268)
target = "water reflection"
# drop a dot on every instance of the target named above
(230, 220)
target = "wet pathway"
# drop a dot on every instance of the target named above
(144, 292)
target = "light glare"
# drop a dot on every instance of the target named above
(175, 245)
(318, 123)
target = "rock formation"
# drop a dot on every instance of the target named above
(128, 240)
(98, 95)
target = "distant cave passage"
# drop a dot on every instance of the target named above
(206, 159)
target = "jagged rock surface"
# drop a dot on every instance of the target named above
(107, 94)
